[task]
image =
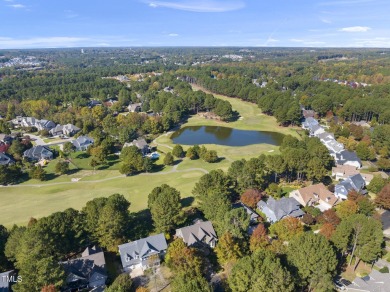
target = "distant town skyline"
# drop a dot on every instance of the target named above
(116, 23)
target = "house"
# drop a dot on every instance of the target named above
(315, 195)
(7, 279)
(29, 122)
(309, 123)
(93, 103)
(276, 210)
(316, 130)
(135, 107)
(346, 157)
(353, 183)
(141, 144)
(82, 143)
(308, 113)
(374, 282)
(6, 139)
(254, 217)
(67, 130)
(88, 271)
(136, 254)
(362, 123)
(200, 233)
(37, 153)
(343, 171)
(5, 159)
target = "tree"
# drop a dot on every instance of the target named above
(68, 147)
(183, 259)
(383, 198)
(192, 153)
(168, 159)
(315, 169)
(262, 271)
(236, 222)
(122, 283)
(37, 172)
(314, 258)
(376, 184)
(165, 206)
(276, 164)
(178, 151)
(329, 216)
(62, 167)
(251, 197)
(190, 283)
(3, 239)
(113, 221)
(210, 156)
(365, 152)
(229, 249)
(327, 230)
(33, 259)
(91, 213)
(215, 192)
(359, 236)
(259, 238)
(383, 164)
(346, 209)
(132, 160)
(286, 228)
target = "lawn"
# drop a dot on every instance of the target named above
(36, 199)
(19, 203)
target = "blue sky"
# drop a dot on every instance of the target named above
(277, 23)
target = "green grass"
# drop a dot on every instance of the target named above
(37, 199)
(19, 203)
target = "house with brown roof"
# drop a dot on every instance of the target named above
(343, 171)
(315, 195)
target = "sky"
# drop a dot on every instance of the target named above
(241, 23)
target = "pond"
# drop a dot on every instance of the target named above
(224, 136)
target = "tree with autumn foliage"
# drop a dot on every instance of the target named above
(329, 216)
(327, 230)
(286, 228)
(259, 238)
(49, 288)
(383, 198)
(229, 249)
(346, 208)
(182, 259)
(251, 197)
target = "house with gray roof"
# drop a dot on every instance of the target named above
(253, 215)
(87, 272)
(136, 254)
(200, 233)
(355, 182)
(276, 210)
(28, 122)
(135, 107)
(7, 279)
(346, 157)
(309, 123)
(68, 130)
(37, 153)
(5, 159)
(82, 143)
(316, 130)
(374, 282)
(141, 144)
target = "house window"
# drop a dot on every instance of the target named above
(127, 259)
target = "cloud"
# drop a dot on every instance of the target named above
(345, 2)
(198, 6)
(17, 6)
(378, 42)
(296, 40)
(40, 42)
(324, 20)
(355, 29)
(173, 35)
(70, 14)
